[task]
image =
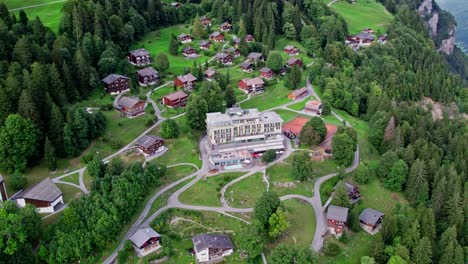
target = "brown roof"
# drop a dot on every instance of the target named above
(293, 61)
(313, 104)
(149, 71)
(254, 81)
(112, 78)
(295, 126)
(299, 92)
(176, 95)
(187, 78)
(210, 72)
(128, 102)
(265, 69)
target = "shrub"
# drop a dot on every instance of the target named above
(149, 121)
(151, 111)
(142, 97)
(87, 157)
(269, 156)
(18, 181)
(331, 249)
(169, 129)
(361, 175)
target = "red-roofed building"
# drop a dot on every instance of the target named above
(254, 85)
(176, 99)
(205, 21)
(331, 131)
(297, 93)
(314, 106)
(293, 128)
(266, 73)
(291, 50)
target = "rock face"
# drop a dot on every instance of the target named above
(429, 12)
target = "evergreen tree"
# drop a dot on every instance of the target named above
(275, 61)
(450, 251)
(412, 235)
(230, 97)
(196, 110)
(340, 197)
(198, 30)
(162, 63)
(242, 32)
(173, 46)
(397, 176)
(49, 155)
(55, 131)
(69, 141)
(294, 78)
(417, 187)
(423, 252)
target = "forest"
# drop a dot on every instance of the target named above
(43, 75)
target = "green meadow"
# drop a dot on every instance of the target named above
(49, 11)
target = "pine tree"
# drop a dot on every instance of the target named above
(173, 45)
(412, 236)
(197, 28)
(340, 197)
(230, 97)
(242, 33)
(450, 251)
(417, 187)
(69, 140)
(397, 176)
(55, 130)
(422, 254)
(294, 78)
(196, 110)
(49, 155)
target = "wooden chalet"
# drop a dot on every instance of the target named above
(147, 76)
(184, 38)
(205, 21)
(353, 192)
(233, 51)
(291, 50)
(145, 241)
(337, 218)
(116, 83)
(362, 39)
(297, 93)
(139, 57)
(253, 85)
(266, 73)
(149, 144)
(294, 61)
(205, 45)
(175, 99)
(226, 26)
(247, 66)
(314, 106)
(255, 56)
(236, 42)
(249, 38)
(130, 107)
(45, 196)
(382, 39)
(210, 74)
(3, 192)
(368, 30)
(189, 52)
(224, 58)
(187, 81)
(217, 36)
(371, 220)
(212, 248)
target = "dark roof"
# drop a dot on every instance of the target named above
(350, 187)
(222, 55)
(293, 60)
(147, 140)
(204, 241)
(46, 190)
(337, 213)
(141, 236)
(183, 35)
(225, 24)
(216, 33)
(187, 48)
(246, 65)
(204, 43)
(176, 95)
(149, 71)
(140, 52)
(370, 216)
(128, 102)
(112, 78)
(365, 35)
(265, 69)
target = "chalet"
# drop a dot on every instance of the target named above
(175, 99)
(353, 192)
(205, 21)
(148, 76)
(139, 57)
(294, 61)
(361, 39)
(382, 39)
(115, 83)
(266, 73)
(187, 81)
(337, 217)
(176, 5)
(291, 50)
(233, 51)
(145, 241)
(236, 42)
(211, 248)
(293, 128)
(224, 58)
(254, 85)
(189, 52)
(210, 74)
(314, 106)
(246, 66)
(3, 192)
(368, 31)
(184, 38)
(297, 93)
(205, 45)
(217, 36)
(371, 220)
(45, 196)
(249, 38)
(255, 56)
(149, 144)
(226, 26)
(130, 107)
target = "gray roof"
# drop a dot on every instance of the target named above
(222, 55)
(204, 43)
(246, 65)
(215, 34)
(149, 71)
(299, 92)
(187, 78)
(204, 241)
(142, 235)
(45, 190)
(254, 55)
(337, 213)
(349, 186)
(225, 24)
(1, 178)
(147, 140)
(232, 49)
(265, 69)
(183, 35)
(176, 95)
(112, 78)
(128, 102)
(187, 48)
(365, 35)
(140, 52)
(370, 216)
(293, 60)
(288, 47)
(210, 71)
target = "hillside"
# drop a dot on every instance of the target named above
(459, 8)
(49, 11)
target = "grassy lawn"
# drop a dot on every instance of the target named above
(206, 191)
(74, 178)
(69, 192)
(245, 193)
(178, 172)
(49, 14)
(187, 224)
(299, 106)
(282, 42)
(275, 94)
(158, 94)
(358, 245)
(182, 149)
(327, 188)
(363, 14)
(158, 41)
(301, 219)
(286, 115)
(280, 175)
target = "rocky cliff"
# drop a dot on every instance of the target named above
(441, 25)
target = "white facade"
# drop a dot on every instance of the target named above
(204, 255)
(49, 209)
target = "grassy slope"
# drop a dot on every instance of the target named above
(275, 94)
(49, 14)
(245, 193)
(363, 14)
